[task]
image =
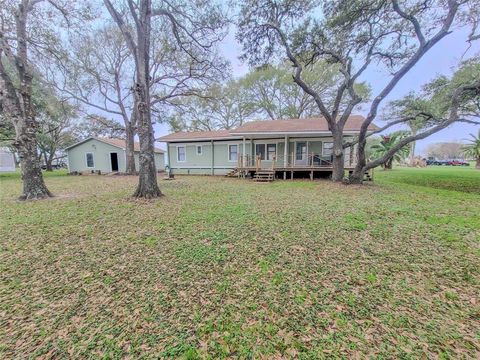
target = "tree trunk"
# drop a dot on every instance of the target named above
(48, 161)
(130, 150)
(17, 104)
(412, 148)
(358, 173)
(477, 164)
(389, 164)
(147, 185)
(33, 184)
(338, 162)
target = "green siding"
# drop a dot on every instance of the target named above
(202, 164)
(159, 161)
(101, 156)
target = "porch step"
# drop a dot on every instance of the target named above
(232, 173)
(264, 176)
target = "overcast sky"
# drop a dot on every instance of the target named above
(442, 59)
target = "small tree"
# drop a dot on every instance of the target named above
(221, 106)
(445, 150)
(386, 144)
(473, 149)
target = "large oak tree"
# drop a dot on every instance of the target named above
(29, 30)
(355, 35)
(195, 27)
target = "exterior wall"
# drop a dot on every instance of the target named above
(195, 164)
(7, 163)
(314, 145)
(77, 160)
(202, 164)
(159, 161)
(279, 157)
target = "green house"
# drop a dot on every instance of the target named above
(278, 145)
(105, 155)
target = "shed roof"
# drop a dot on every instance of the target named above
(120, 143)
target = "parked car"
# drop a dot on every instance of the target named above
(437, 162)
(447, 162)
(458, 163)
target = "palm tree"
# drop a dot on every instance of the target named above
(388, 142)
(473, 149)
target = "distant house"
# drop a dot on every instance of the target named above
(7, 162)
(278, 145)
(106, 155)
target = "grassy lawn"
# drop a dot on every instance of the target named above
(228, 268)
(458, 178)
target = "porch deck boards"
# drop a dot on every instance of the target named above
(293, 168)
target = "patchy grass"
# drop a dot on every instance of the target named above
(228, 268)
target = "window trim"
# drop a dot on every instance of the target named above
(86, 160)
(201, 149)
(184, 153)
(266, 151)
(238, 149)
(307, 142)
(323, 148)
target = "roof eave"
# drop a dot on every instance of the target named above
(198, 139)
(326, 132)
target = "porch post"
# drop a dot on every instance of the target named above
(285, 152)
(213, 158)
(244, 163)
(253, 155)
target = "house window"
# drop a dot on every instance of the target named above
(260, 151)
(181, 156)
(89, 158)
(327, 148)
(199, 149)
(232, 152)
(271, 151)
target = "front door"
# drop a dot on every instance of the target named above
(301, 153)
(114, 161)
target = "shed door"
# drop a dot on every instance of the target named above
(114, 161)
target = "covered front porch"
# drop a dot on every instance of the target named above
(285, 157)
